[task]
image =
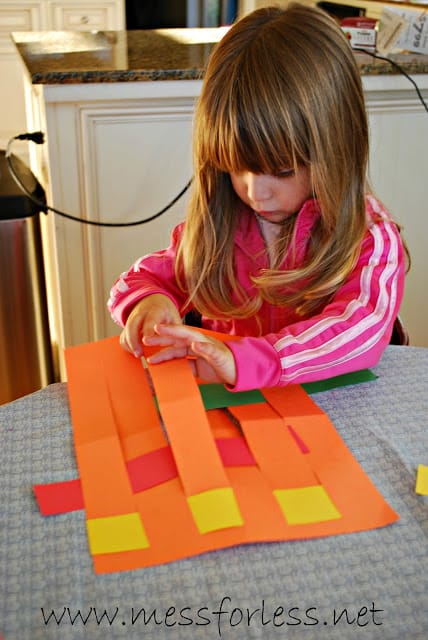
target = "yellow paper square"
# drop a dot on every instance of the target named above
(422, 480)
(215, 509)
(116, 533)
(306, 505)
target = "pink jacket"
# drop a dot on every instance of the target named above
(347, 334)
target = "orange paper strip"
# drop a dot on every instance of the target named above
(274, 448)
(291, 401)
(188, 429)
(132, 401)
(350, 489)
(89, 399)
(105, 482)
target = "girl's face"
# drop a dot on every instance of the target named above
(274, 197)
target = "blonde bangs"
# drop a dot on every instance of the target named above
(236, 143)
(248, 129)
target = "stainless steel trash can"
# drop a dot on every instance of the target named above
(25, 348)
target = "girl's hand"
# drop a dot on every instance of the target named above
(213, 360)
(152, 310)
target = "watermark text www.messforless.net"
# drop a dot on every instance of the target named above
(226, 615)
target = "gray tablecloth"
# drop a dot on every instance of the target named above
(366, 585)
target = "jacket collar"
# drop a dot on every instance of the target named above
(249, 237)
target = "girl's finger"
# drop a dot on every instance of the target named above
(180, 331)
(159, 341)
(170, 353)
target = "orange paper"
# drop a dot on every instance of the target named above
(305, 482)
(274, 448)
(188, 429)
(105, 483)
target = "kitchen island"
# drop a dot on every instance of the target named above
(116, 108)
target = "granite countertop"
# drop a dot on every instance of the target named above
(76, 57)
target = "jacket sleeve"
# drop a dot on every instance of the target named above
(350, 333)
(154, 273)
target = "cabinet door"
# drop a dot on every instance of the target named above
(18, 16)
(77, 16)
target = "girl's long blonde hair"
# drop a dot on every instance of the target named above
(281, 89)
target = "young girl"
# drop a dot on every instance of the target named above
(282, 244)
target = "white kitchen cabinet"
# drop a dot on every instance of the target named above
(37, 15)
(398, 173)
(114, 152)
(121, 151)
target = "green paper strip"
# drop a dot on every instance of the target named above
(356, 377)
(216, 396)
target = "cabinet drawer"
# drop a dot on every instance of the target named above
(18, 16)
(85, 16)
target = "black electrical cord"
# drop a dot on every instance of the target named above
(38, 138)
(399, 68)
